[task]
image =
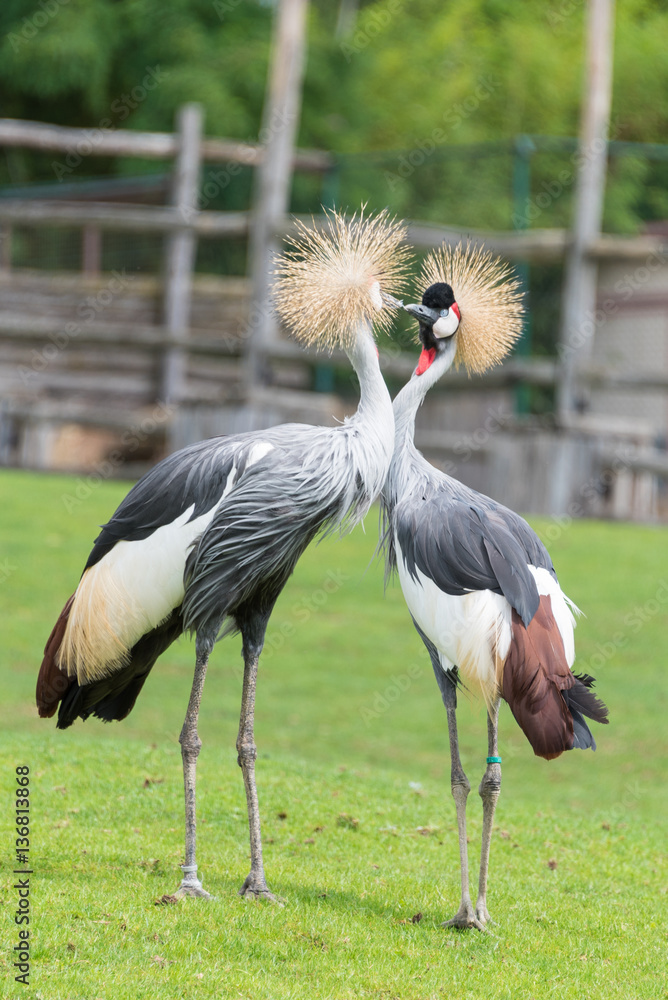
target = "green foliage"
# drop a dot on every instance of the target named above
(423, 103)
(80, 68)
(428, 59)
(353, 776)
(426, 79)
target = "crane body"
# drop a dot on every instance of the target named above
(205, 542)
(484, 598)
(212, 527)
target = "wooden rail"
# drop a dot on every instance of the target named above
(192, 357)
(150, 145)
(127, 218)
(537, 245)
(20, 329)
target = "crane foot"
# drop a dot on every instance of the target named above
(191, 885)
(192, 889)
(466, 919)
(256, 889)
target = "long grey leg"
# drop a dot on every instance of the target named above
(490, 788)
(190, 748)
(255, 883)
(459, 783)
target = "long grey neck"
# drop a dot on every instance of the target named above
(374, 418)
(374, 397)
(408, 401)
(406, 404)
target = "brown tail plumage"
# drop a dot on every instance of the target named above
(536, 684)
(52, 682)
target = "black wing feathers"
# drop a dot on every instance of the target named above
(515, 581)
(582, 702)
(195, 475)
(464, 547)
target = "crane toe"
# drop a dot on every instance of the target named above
(466, 919)
(194, 889)
(252, 889)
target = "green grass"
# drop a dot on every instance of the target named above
(349, 724)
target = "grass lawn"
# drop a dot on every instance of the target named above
(353, 778)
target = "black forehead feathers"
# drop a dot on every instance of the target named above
(438, 296)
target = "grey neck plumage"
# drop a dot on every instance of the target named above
(407, 462)
(370, 431)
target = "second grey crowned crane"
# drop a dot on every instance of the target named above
(206, 541)
(479, 583)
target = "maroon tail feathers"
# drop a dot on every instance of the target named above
(546, 698)
(52, 682)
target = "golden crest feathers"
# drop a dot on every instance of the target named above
(489, 297)
(329, 280)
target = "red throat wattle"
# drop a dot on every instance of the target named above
(425, 360)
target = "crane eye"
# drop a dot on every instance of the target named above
(444, 312)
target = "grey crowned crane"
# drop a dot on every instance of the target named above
(478, 582)
(205, 542)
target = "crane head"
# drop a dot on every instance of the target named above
(439, 318)
(335, 275)
(489, 304)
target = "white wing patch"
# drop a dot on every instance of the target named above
(471, 631)
(258, 451)
(128, 593)
(562, 609)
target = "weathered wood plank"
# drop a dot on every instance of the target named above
(537, 245)
(151, 145)
(152, 418)
(581, 271)
(649, 460)
(127, 218)
(219, 306)
(98, 385)
(534, 244)
(271, 198)
(609, 247)
(180, 253)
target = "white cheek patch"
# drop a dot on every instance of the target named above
(445, 326)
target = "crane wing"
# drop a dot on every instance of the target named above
(464, 545)
(194, 477)
(126, 610)
(258, 533)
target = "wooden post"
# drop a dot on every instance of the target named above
(578, 322)
(180, 251)
(345, 22)
(274, 176)
(91, 249)
(5, 246)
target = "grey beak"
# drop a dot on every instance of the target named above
(389, 300)
(422, 313)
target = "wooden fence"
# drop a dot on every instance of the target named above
(188, 340)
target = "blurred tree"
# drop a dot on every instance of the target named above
(421, 77)
(474, 69)
(77, 62)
